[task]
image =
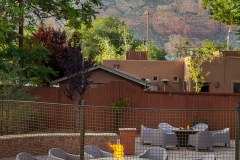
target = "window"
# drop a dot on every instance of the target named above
(116, 66)
(175, 79)
(155, 78)
(236, 87)
(184, 86)
(205, 87)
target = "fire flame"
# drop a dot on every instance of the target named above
(117, 150)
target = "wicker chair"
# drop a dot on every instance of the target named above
(96, 152)
(157, 137)
(201, 140)
(163, 139)
(167, 128)
(146, 134)
(154, 153)
(25, 156)
(60, 154)
(221, 137)
(200, 127)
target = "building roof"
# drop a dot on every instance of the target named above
(117, 72)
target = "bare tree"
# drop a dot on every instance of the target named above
(177, 45)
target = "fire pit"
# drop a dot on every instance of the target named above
(118, 152)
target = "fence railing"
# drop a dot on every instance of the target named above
(36, 127)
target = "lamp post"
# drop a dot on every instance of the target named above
(165, 82)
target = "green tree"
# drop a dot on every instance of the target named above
(117, 111)
(21, 67)
(154, 52)
(22, 63)
(18, 15)
(201, 56)
(109, 38)
(224, 11)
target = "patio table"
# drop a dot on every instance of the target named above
(182, 136)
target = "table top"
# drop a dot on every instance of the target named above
(185, 130)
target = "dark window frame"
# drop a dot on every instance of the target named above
(236, 87)
(205, 87)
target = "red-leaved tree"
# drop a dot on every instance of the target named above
(56, 42)
(67, 58)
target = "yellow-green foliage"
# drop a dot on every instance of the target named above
(201, 55)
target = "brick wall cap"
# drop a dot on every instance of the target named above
(127, 129)
(54, 134)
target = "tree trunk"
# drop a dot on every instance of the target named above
(82, 128)
(20, 24)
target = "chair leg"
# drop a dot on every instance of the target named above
(196, 148)
(177, 147)
(210, 149)
(227, 144)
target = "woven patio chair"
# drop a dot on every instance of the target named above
(157, 137)
(201, 140)
(163, 139)
(147, 134)
(167, 128)
(200, 127)
(96, 152)
(155, 153)
(25, 156)
(221, 137)
(60, 154)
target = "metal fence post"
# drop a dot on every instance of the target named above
(237, 132)
(82, 128)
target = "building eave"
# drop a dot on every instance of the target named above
(113, 71)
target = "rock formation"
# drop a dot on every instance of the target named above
(185, 17)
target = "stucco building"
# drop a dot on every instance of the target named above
(168, 76)
(171, 76)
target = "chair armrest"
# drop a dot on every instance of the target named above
(53, 158)
(74, 157)
(107, 154)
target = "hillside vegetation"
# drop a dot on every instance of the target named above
(167, 17)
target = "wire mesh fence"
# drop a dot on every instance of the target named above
(44, 129)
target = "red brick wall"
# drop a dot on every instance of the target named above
(39, 144)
